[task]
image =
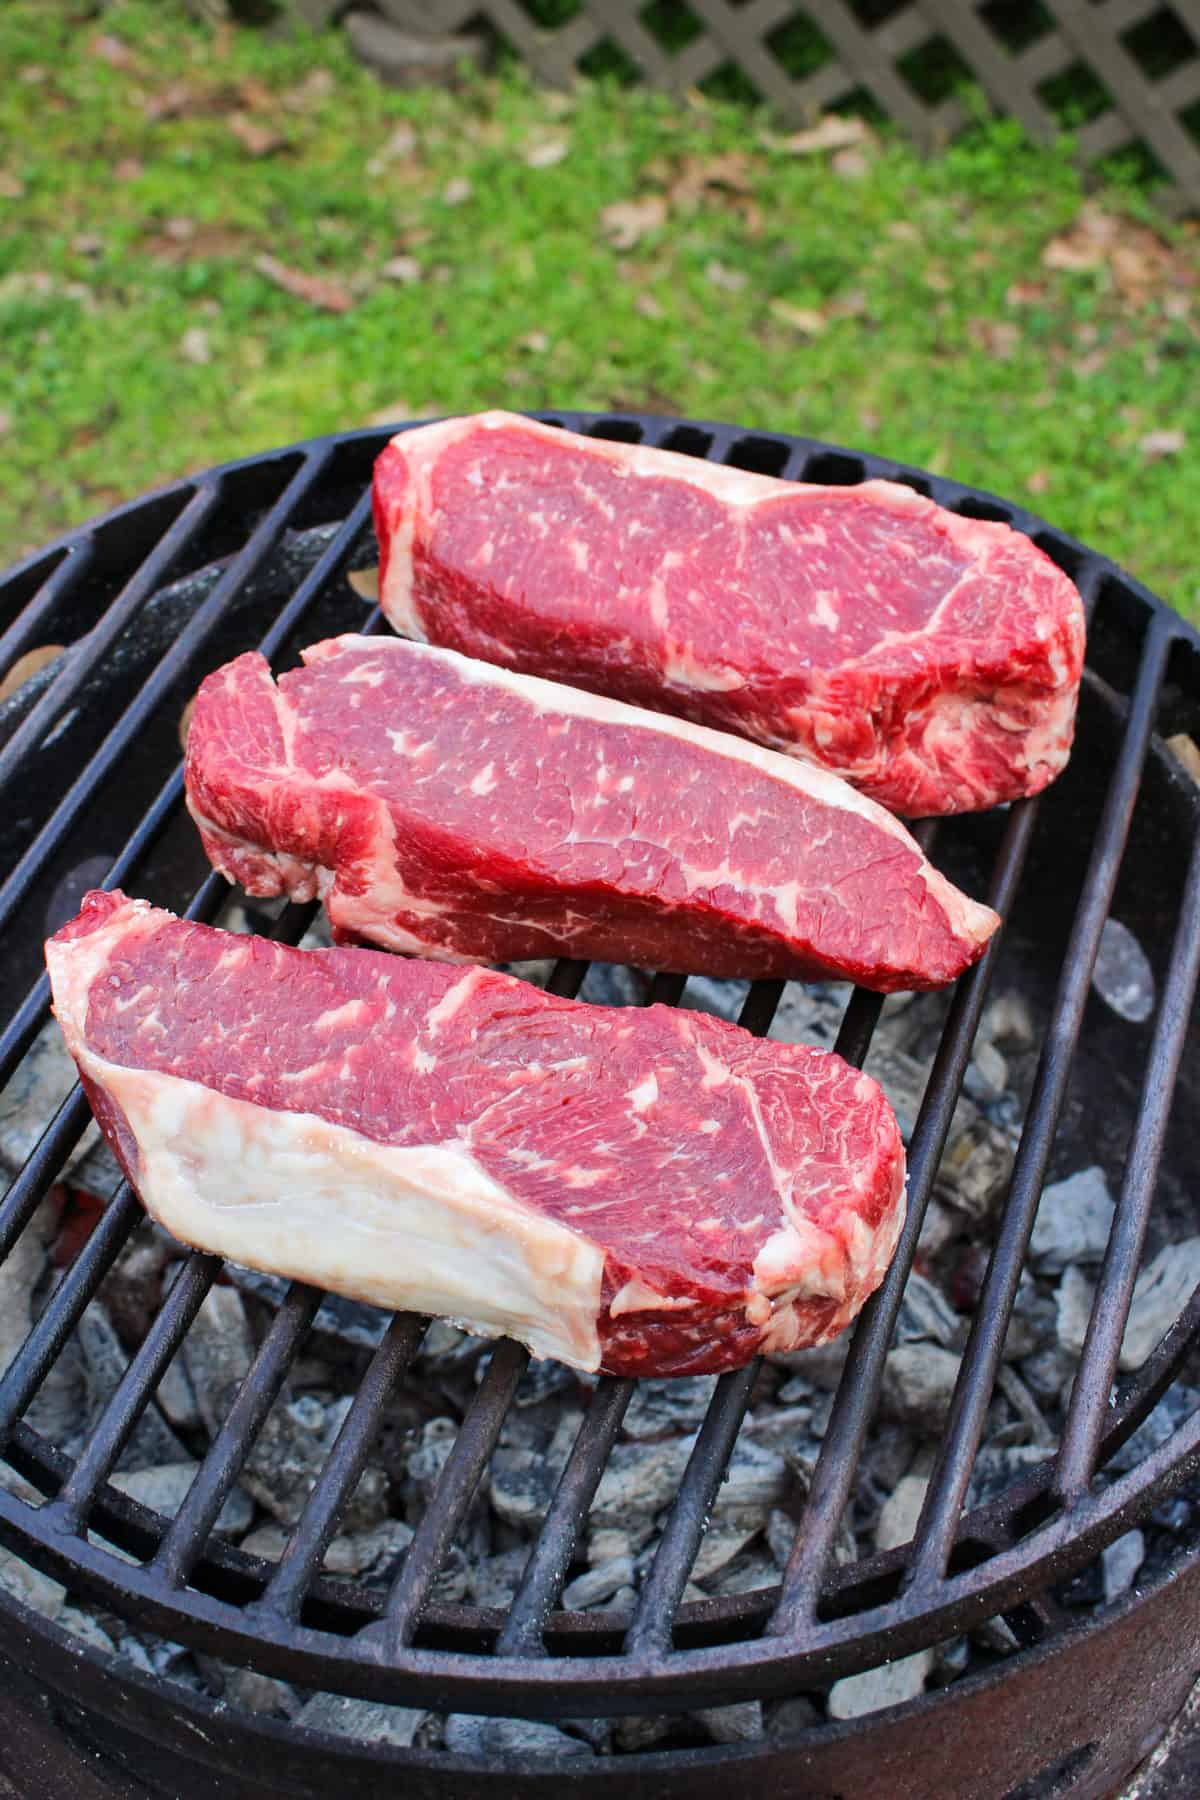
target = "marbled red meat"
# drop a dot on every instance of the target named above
(930, 659)
(450, 808)
(644, 1191)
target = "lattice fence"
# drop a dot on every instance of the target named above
(1124, 73)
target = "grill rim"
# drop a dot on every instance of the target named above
(664, 1663)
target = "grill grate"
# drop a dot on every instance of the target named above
(291, 1619)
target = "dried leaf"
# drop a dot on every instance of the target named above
(309, 93)
(904, 231)
(626, 222)
(1136, 257)
(544, 156)
(1025, 293)
(256, 139)
(833, 132)
(365, 582)
(405, 269)
(1038, 482)
(318, 290)
(722, 276)
(194, 345)
(998, 337)
(114, 51)
(11, 187)
(457, 191)
(851, 165)
(401, 144)
(1156, 444)
(649, 307)
(1186, 751)
(129, 168)
(28, 665)
(798, 318)
(256, 96)
(5, 423)
(535, 341)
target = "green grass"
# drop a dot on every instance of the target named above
(866, 305)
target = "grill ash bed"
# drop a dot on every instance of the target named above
(258, 1541)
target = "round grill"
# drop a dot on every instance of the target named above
(93, 796)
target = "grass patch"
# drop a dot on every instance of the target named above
(459, 252)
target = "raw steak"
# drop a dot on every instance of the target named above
(454, 809)
(648, 1192)
(930, 659)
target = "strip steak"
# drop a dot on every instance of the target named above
(930, 659)
(651, 1192)
(453, 809)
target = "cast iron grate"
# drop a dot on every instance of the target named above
(822, 1621)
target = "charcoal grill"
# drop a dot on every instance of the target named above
(93, 788)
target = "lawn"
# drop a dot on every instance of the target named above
(215, 241)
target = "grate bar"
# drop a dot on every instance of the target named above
(56, 1142)
(195, 1519)
(858, 1390)
(667, 989)
(455, 1490)
(566, 977)
(964, 1428)
(1088, 1411)
(28, 1368)
(330, 563)
(649, 1636)
(82, 658)
(25, 631)
(650, 1633)
(115, 1426)
(116, 745)
(544, 1574)
(284, 1595)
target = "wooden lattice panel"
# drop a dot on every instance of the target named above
(1134, 106)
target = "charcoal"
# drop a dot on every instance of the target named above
(950, 1661)
(176, 1396)
(165, 1489)
(217, 1354)
(1029, 1413)
(132, 1290)
(596, 1586)
(665, 1408)
(810, 1014)
(1122, 974)
(898, 1517)
(30, 1586)
(34, 1092)
(1074, 1301)
(718, 1547)
(918, 1381)
(748, 1573)
(20, 1273)
(723, 999)
(1073, 1222)
(1000, 1465)
(542, 1380)
(521, 1482)
(927, 1316)
(1176, 1405)
(105, 1362)
(975, 1169)
(1163, 1290)
(82, 1625)
(248, 1690)
(821, 1366)
(939, 1228)
(59, 1407)
(1034, 1322)
(737, 1724)
(1120, 1562)
(1049, 1375)
(784, 1429)
(290, 1453)
(1007, 1020)
(605, 1543)
(492, 1580)
(364, 1554)
(365, 1720)
(786, 1717)
(856, 1695)
(642, 1731)
(612, 984)
(987, 1076)
(469, 1735)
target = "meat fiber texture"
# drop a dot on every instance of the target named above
(930, 659)
(650, 1192)
(448, 808)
